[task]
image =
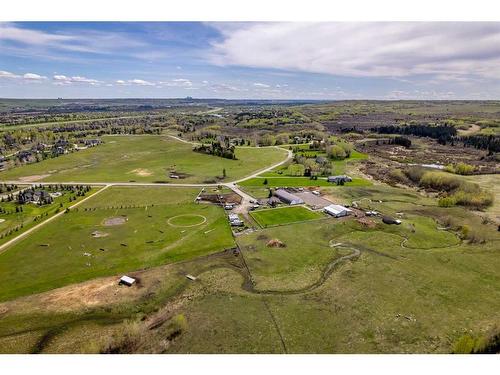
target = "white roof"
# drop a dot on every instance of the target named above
(337, 209)
(127, 279)
(233, 217)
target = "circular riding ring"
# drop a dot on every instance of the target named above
(171, 221)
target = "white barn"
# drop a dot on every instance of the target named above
(337, 210)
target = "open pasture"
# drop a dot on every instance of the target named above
(145, 159)
(284, 215)
(162, 225)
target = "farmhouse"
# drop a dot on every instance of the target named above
(287, 197)
(339, 179)
(337, 210)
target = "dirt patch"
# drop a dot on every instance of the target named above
(366, 222)
(117, 220)
(141, 172)
(275, 243)
(262, 237)
(99, 234)
(35, 177)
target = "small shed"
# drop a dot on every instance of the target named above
(126, 280)
(337, 210)
(390, 220)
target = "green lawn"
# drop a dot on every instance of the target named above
(67, 250)
(145, 159)
(284, 215)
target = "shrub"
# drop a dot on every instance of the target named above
(440, 181)
(415, 173)
(461, 168)
(447, 201)
(398, 175)
(336, 152)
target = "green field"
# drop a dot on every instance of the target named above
(145, 159)
(284, 215)
(413, 288)
(14, 223)
(158, 226)
(298, 182)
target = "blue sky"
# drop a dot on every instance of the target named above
(250, 60)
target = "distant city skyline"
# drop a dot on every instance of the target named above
(321, 61)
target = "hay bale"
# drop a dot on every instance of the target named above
(275, 243)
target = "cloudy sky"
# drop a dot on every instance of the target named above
(251, 60)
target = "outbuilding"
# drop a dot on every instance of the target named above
(337, 210)
(126, 280)
(339, 179)
(287, 197)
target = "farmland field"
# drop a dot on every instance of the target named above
(114, 233)
(284, 215)
(298, 182)
(145, 159)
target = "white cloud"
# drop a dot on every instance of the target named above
(140, 82)
(178, 82)
(33, 77)
(391, 49)
(4, 74)
(29, 41)
(65, 80)
(263, 85)
(224, 88)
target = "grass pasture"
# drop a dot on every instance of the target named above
(18, 222)
(145, 159)
(299, 182)
(163, 225)
(284, 215)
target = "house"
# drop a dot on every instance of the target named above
(61, 147)
(287, 197)
(34, 196)
(339, 179)
(24, 156)
(337, 210)
(92, 142)
(126, 280)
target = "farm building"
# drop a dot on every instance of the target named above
(339, 179)
(126, 280)
(287, 197)
(390, 220)
(235, 221)
(337, 210)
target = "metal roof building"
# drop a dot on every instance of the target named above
(287, 197)
(337, 210)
